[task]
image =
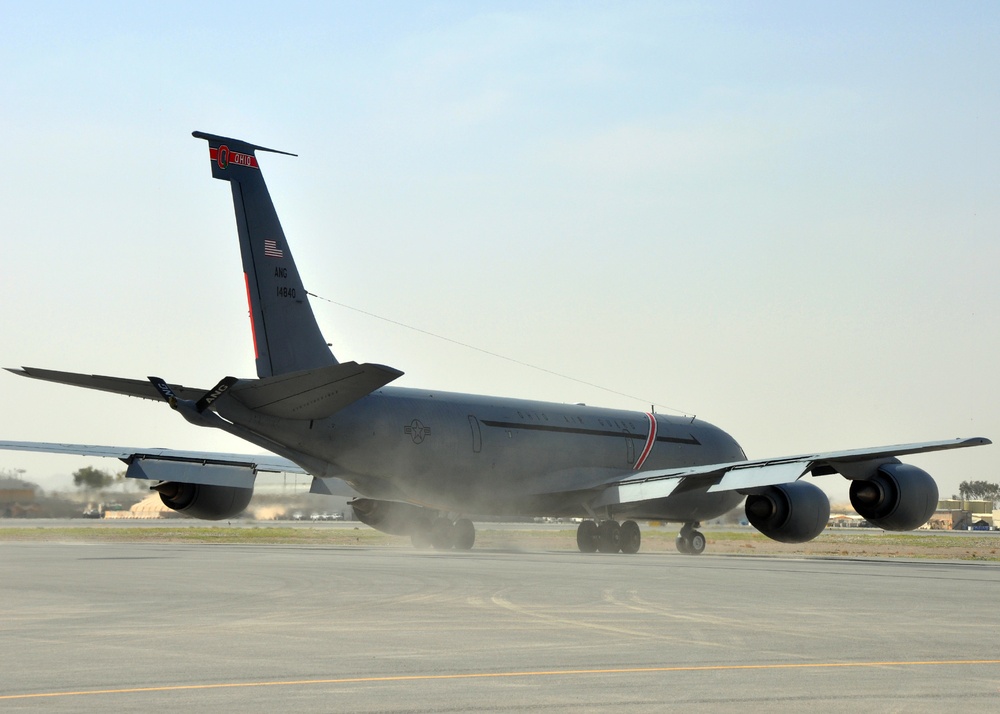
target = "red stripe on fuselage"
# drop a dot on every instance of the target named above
(253, 330)
(650, 440)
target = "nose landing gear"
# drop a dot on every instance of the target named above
(690, 541)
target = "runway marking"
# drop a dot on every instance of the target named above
(503, 602)
(500, 675)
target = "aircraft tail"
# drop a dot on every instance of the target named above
(285, 334)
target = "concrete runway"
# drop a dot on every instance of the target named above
(203, 628)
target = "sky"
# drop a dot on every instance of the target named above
(781, 217)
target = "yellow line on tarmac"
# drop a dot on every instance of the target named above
(498, 675)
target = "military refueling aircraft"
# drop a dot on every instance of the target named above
(423, 462)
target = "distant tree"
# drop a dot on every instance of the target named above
(980, 491)
(130, 484)
(91, 479)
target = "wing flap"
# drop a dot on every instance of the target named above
(635, 492)
(738, 479)
(209, 474)
(313, 393)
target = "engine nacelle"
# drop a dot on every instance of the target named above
(392, 517)
(198, 500)
(790, 512)
(899, 497)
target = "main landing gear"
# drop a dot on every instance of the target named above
(445, 534)
(690, 541)
(608, 537)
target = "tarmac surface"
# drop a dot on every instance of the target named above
(208, 628)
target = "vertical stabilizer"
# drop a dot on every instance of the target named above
(285, 334)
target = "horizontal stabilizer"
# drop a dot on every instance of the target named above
(141, 388)
(313, 393)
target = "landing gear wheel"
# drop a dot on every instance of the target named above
(443, 534)
(586, 537)
(631, 537)
(690, 541)
(464, 533)
(609, 537)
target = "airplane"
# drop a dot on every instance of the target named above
(422, 463)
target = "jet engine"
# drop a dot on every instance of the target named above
(899, 497)
(198, 500)
(790, 512)
(392, 517)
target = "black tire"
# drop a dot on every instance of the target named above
(464, 534)
(586, 537)
(609, 537)
(682, 545)
(631, 537)
(697, 543)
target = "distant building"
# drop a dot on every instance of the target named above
(17, 498)
(958, 514)
(959, 504)
(14, 490)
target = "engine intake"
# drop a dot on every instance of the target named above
(198, 500)
(790, 512)
(899, 497)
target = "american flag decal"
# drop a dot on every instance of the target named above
(271, 249)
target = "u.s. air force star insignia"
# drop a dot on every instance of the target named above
(417, 431)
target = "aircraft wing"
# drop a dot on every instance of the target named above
(259, 462)
(207, 467)
(746, 475)
(204, 467)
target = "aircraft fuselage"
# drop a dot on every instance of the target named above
(490, 455)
